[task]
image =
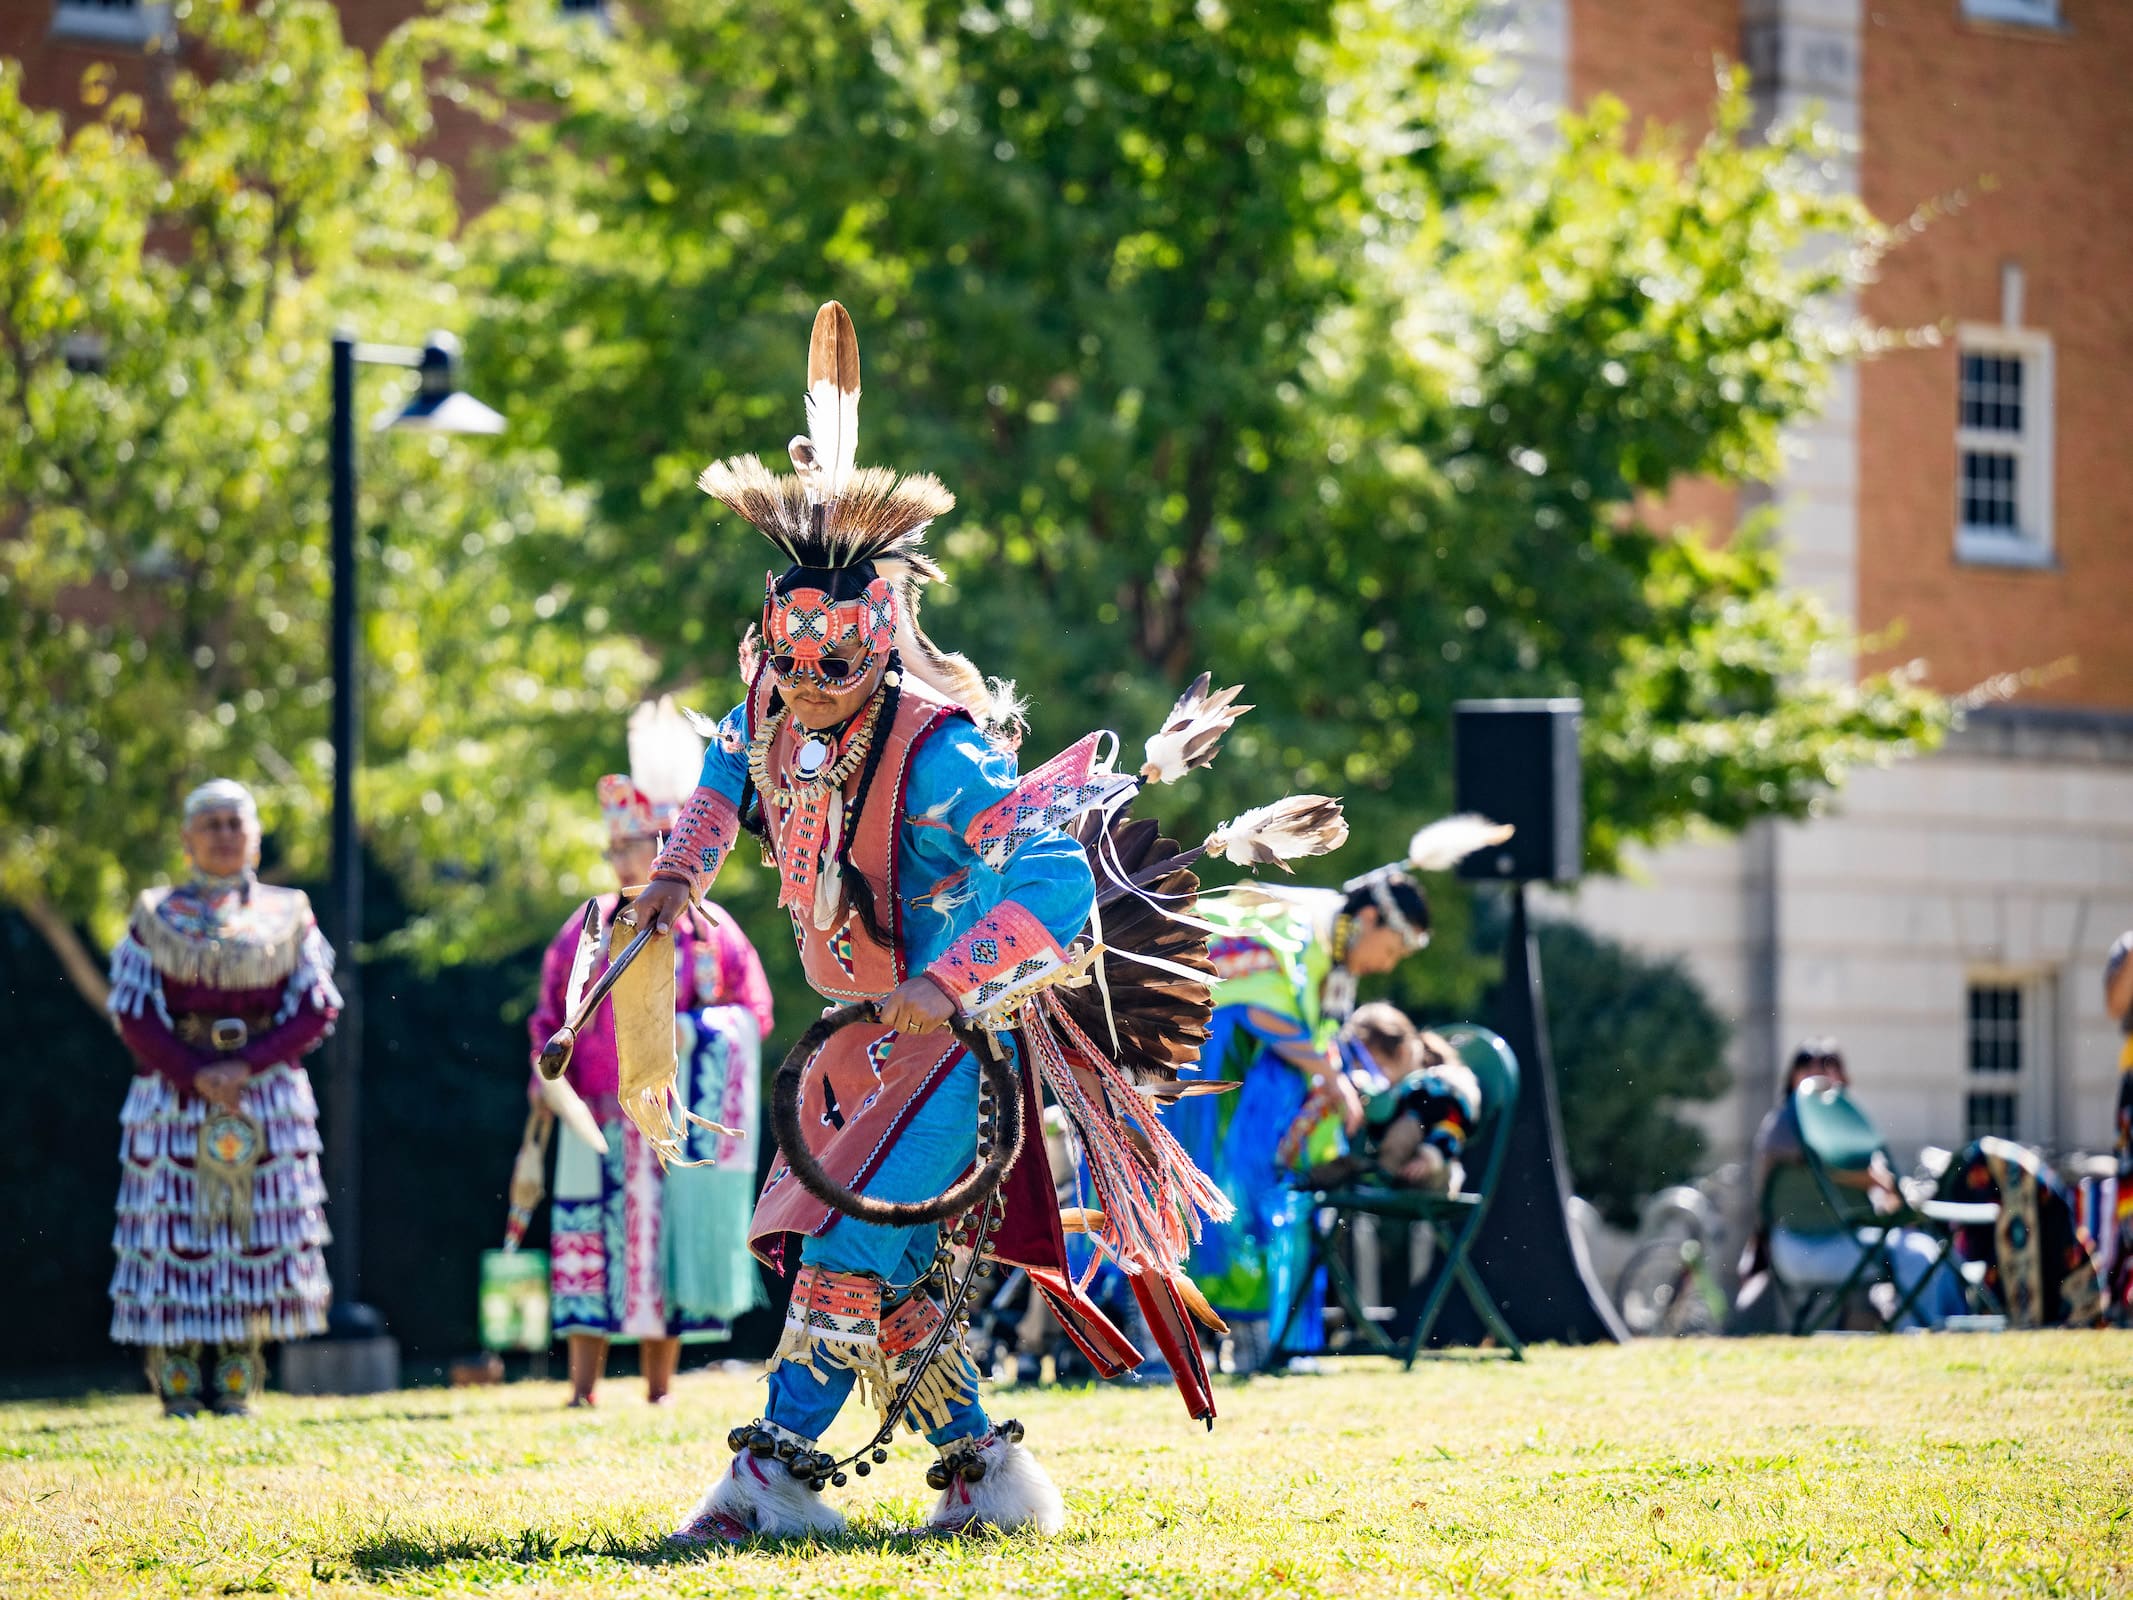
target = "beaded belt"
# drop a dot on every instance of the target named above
(223, 1033)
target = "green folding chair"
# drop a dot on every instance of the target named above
(1806, 1198)
(1454, 1220)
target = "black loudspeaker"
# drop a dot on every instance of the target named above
(1516, 761)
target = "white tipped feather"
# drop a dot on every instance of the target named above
(832, 404)
(1252, 895)
(666, 756)
(1445, 843)
(1190, 734)
(1291, 828)
(705, 726)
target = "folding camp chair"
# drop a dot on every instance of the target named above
(1806, 1198)
(1453, 1219)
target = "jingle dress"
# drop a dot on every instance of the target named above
(219, 1249)
(637, 1252)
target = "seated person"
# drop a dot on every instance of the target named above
(1824, 1259)
(1422, 1103)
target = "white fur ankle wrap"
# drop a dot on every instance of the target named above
(1015, 1493)
(769, 1500)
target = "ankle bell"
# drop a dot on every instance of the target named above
(963, 1459)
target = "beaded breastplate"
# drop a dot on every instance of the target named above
(808, 807)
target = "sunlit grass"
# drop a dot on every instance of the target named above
(1960, 1465)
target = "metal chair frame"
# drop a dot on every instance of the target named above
(1454, 1220)
(1819, 1304)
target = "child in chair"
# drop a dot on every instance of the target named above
(1416, 1121)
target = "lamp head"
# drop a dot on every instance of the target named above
(439, 405)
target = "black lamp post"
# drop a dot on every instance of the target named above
(437, 407)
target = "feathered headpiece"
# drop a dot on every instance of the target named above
(1439, 847)
(666, 757)
(854, 537)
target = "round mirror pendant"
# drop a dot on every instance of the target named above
(812, 758)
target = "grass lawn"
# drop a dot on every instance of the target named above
(1976, 1465)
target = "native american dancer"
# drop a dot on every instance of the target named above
(218, 988)
(972, 911)
(1287, 962)
(641, 1252)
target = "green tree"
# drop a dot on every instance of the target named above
(1633, 1040)
(1249, 337)
(163, 571)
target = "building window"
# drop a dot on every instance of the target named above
(2025, 13)
(1995, 1029)
(2003, 447)
(1992, 1115)
(110, 21)
(2009, 1077)
(1992, 1102)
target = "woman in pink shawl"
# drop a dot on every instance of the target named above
(638, 1254)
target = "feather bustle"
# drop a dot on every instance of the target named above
(1161, 1019)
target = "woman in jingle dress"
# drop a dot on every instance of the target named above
(219, 987)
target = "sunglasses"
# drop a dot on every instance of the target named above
(826, 669)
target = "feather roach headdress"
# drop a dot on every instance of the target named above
(854, 537)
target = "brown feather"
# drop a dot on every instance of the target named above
(833, 349)
(1196, 1302)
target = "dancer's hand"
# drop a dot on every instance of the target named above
(661, 903)
(917, 1005)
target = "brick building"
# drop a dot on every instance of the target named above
(1958, 499)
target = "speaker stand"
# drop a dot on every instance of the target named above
(1527, 1252)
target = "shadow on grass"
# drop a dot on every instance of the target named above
(82, 1425)
(391, 1553)
(395, 1555)
(365, 1419)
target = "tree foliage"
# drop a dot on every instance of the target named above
(163, 509)
(1633, 1040)
(1250, 337)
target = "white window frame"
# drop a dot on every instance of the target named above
(2032, 447)
(140, 23)
(2034, 1083)
(2018, 13)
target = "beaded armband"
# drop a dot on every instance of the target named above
(1322, 1102)
(702, 835)
(1007, 956)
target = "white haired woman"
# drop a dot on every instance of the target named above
(219, 987)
